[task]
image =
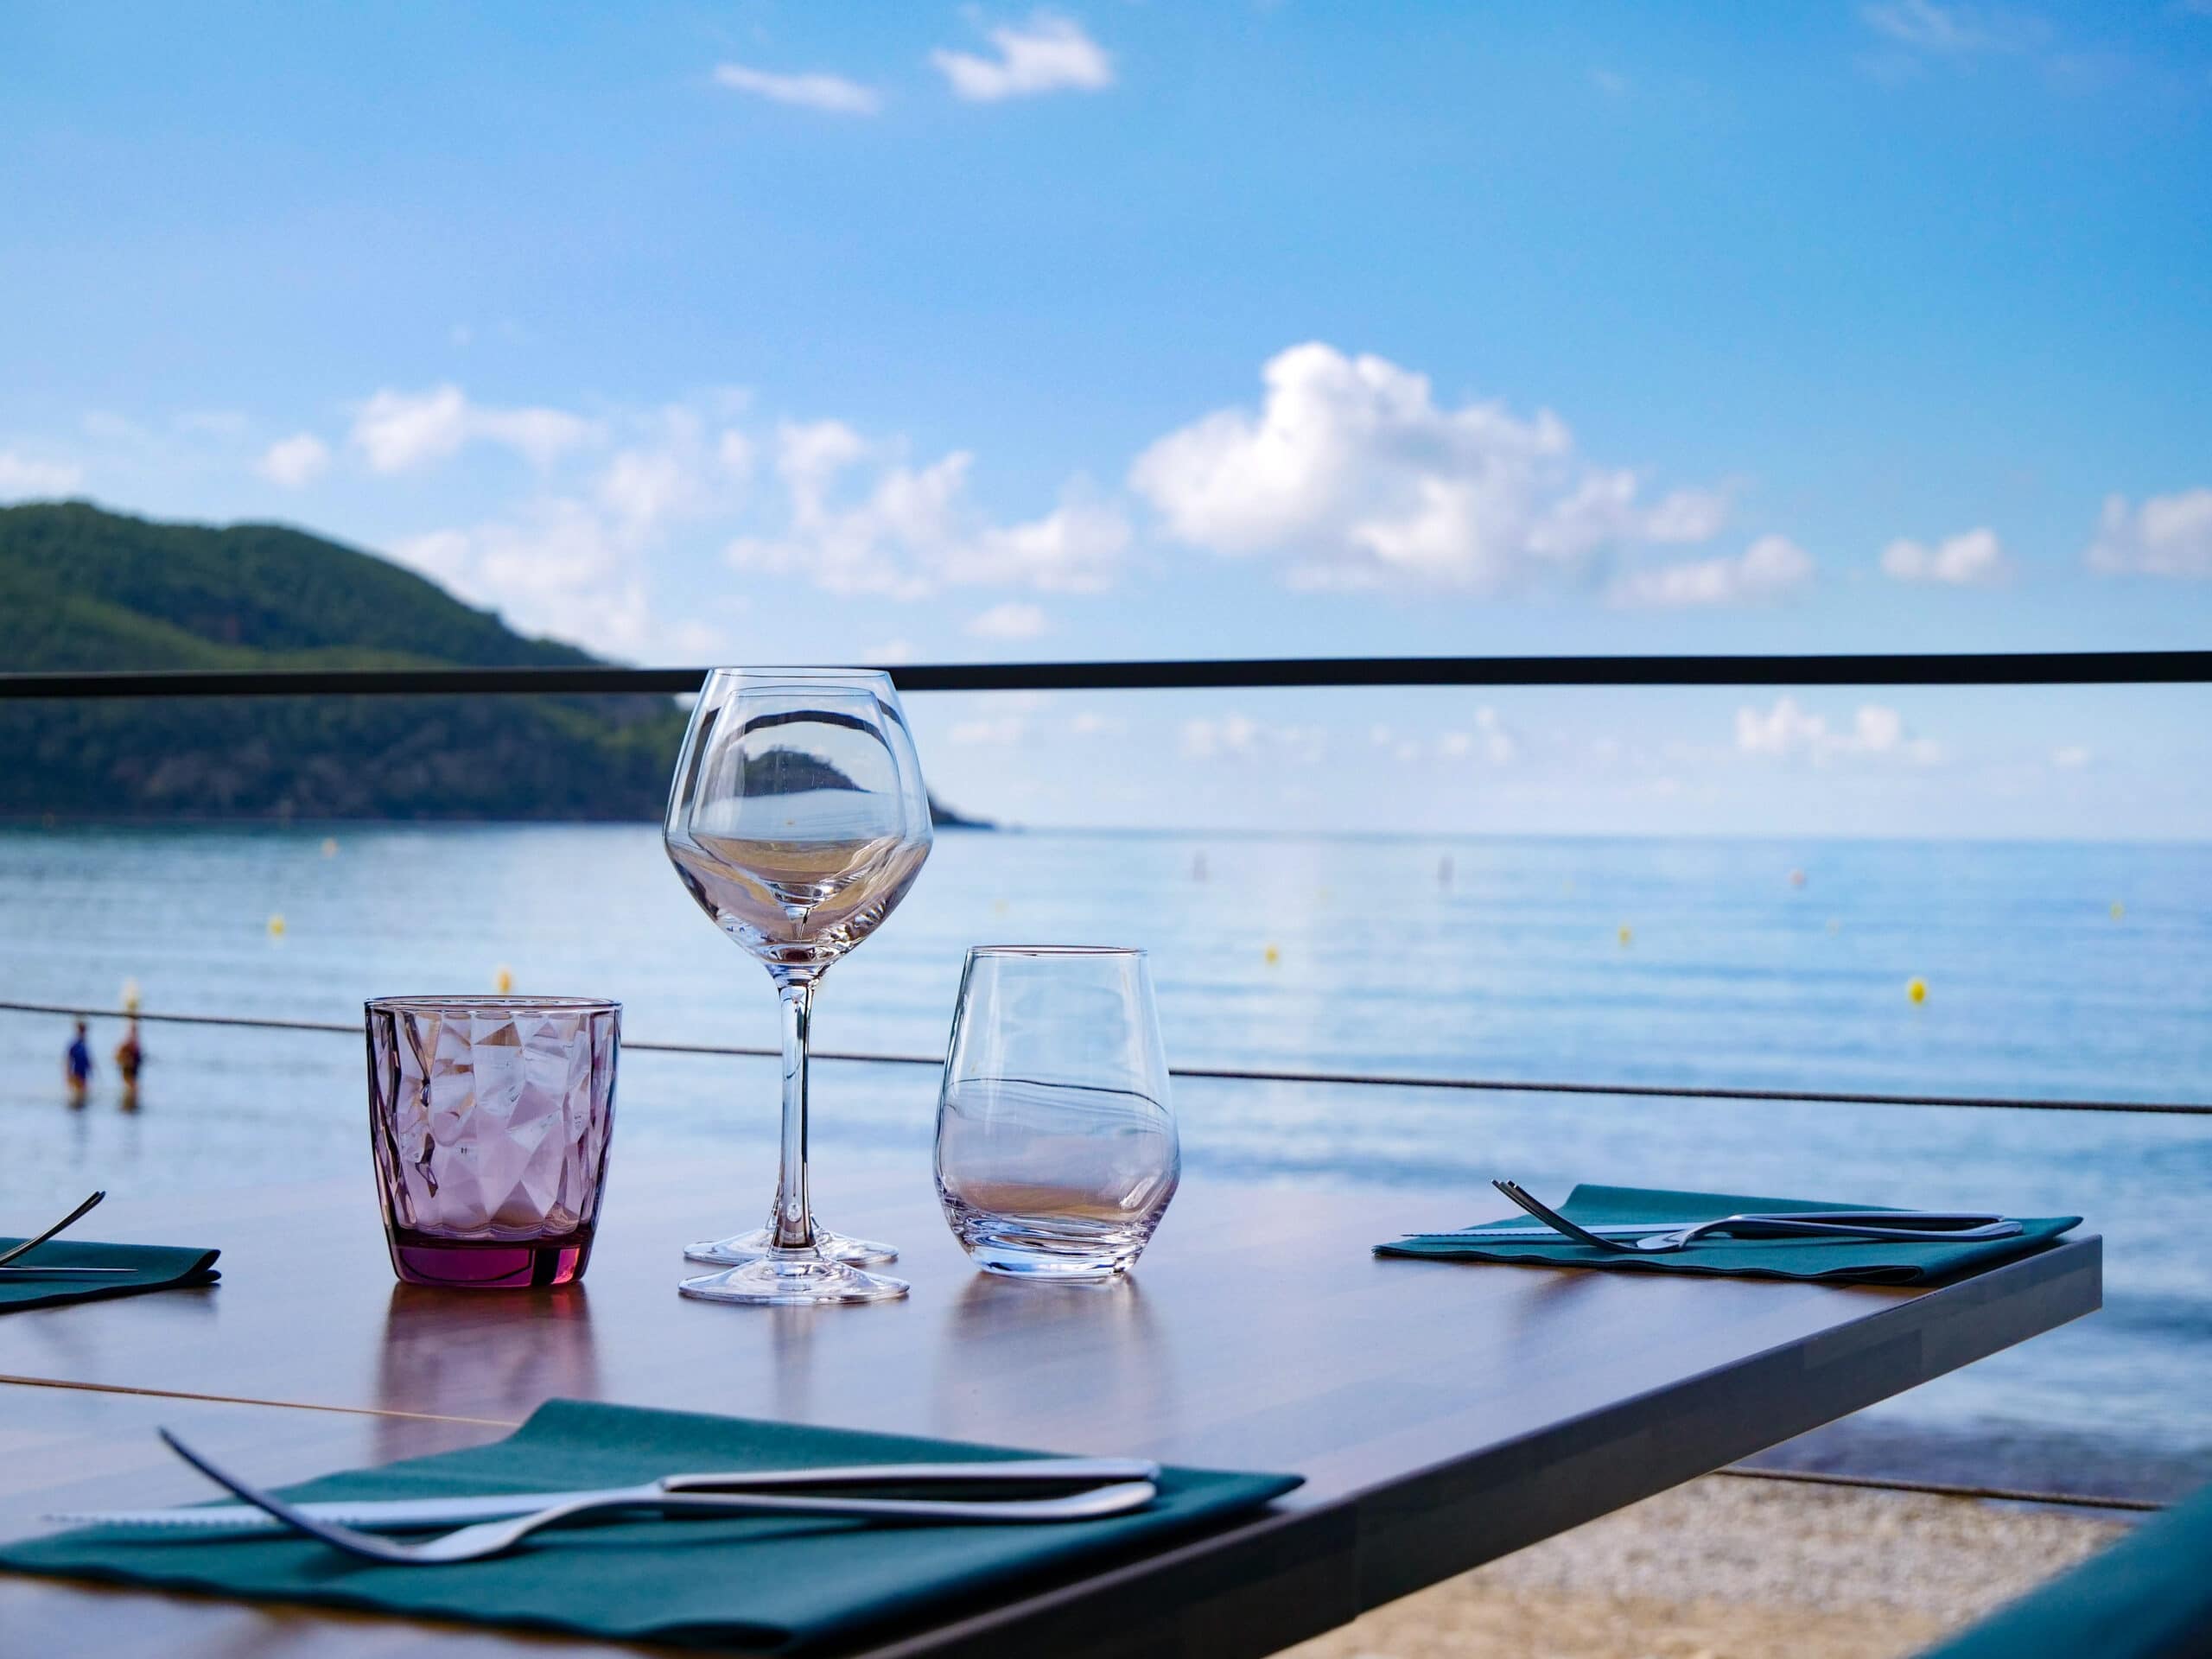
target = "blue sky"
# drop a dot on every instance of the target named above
(769, 332)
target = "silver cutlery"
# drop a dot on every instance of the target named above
(401, 1515)
(1952, 1223)
(30, 1244)
(1758, 1226)
(496, 1537)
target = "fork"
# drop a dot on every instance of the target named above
(1770, 1226)
(491, 1538)
(69, 1220)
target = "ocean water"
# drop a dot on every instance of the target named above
(2072, 971)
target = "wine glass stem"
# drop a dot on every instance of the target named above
(794, 1217)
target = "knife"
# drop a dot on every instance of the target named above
(401, 1515)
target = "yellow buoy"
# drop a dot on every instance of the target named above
(1916, 988)
(2119, 910)
(1271, 956)
(130, 996)
(277, 925)
(1627, 934)
(330, 846)
(999, 906)
(504, 980)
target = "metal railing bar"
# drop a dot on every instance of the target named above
(1266, 1074)
(1904, 668)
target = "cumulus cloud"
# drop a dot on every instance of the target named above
(2167, 535)
(1014, 620)
(398, 431)
(831, 94)
(295, 462)
(2071, 758)
(908, 530)
(1789, 731)
(999, 731)
(1974, 558)
(558, 567)
(24, 477)
(1769, 568)
(1351, 468)
(1048, 54)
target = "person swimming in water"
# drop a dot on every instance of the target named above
(78, 1062)
(130, 1055)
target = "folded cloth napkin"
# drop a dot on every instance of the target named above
(153, 1267)
(1842, 1261)
(780, 1586)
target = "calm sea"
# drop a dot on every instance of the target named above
(2072, 971)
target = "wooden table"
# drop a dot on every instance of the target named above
(1442, 1414)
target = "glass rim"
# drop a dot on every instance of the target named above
(1056, 951)
(773, 675)
(504, 1001)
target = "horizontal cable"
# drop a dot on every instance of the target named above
(1903, 668)
(1269, 1074)
(1940, 1489)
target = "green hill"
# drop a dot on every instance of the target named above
(81, 588)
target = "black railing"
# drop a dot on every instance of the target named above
(1921, 668)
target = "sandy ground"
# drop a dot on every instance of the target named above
(1727, 1568)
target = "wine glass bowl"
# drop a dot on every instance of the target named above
(797, 820)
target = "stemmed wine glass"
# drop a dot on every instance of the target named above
(798, 819)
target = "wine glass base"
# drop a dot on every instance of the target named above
(741, 1247)
(793, 1279)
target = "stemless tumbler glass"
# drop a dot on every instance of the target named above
(1056, 1146)
(797, 820)
(490, 1118)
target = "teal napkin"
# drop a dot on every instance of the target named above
(153, 1267)
(778, 1586)
(1842, 1261)
(2148, 1597)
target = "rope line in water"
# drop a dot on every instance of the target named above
(1942, 1489)
(1266, 1074)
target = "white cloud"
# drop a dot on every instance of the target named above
(24, 478)
(1014, 620)
(1611, 82)
(1788, 730)
(401, 430)
(1954, 30)
(295, 462)
(1000, 731)
(1973, 558)
(910, 530)
(831, 94)
(1090, 723)
(2167, 535)
(2072, 757)
(1769, 568)
(1353, 469)
(1049, 54)
(1239, 736)
(560, 568)
(890, 653)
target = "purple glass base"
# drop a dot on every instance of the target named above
(491, 1265)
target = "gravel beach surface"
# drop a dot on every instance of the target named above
(1731, 1569)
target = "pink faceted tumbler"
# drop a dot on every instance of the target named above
(490, 1118)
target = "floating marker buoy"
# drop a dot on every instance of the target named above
(504, 980)
(1916, 988)
(999, 906)
(277, 925)
(2119, 910)
(1797, 878)
(1271, 956)
(330, 846)
(1627, 934)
